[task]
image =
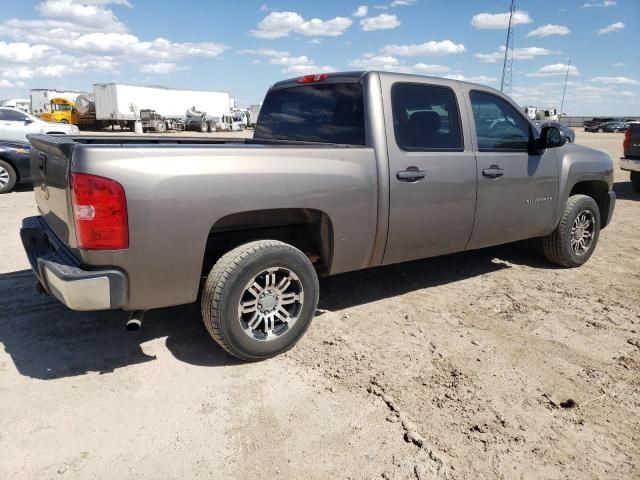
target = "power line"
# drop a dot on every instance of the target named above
(507, 66)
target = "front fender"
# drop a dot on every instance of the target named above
(580, 164)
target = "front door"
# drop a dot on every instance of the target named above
(432, 170)
(517, 190)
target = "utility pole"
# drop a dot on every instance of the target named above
(564, 90)
(507, 66)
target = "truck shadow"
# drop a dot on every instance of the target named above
(365, 286)
(625, 191)
(47, 341)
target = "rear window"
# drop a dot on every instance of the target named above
(329, 113)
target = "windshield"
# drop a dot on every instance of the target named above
(329, 113)
(60, 107)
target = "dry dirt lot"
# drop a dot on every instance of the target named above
(487, 364)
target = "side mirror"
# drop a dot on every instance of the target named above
(551, 137)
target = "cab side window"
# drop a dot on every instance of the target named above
(425, 118)
(499, 127)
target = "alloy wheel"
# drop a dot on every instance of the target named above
(270, 303)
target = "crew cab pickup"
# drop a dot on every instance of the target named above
(345, 171)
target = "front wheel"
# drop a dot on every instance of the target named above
(259, 299)
(573, 241)
(8, 177)
(635, 181)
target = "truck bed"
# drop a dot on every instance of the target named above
(181, 189)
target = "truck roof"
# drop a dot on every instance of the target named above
(353, 77)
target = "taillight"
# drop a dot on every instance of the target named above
(100, 212)
(627, 139)
(313, 78)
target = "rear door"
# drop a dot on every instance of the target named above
(432, 169)
(517, 190)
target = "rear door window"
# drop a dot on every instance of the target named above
(328, 113)
(425, 118)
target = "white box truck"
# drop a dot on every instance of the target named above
(41, 98)
(120, 104)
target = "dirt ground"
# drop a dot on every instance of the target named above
(482, 365)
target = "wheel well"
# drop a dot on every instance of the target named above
(596, 189)
(308, 230)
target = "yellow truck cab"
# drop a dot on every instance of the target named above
(62, 111)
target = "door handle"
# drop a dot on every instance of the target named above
(411, 174)
(494, 171)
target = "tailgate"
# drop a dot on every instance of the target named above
(50, 169)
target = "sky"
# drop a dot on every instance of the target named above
(243, 47)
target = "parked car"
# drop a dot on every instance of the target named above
(569, 133)
(346, 171)
(631, 160)
(616, 127)
(594, 122)
(16, 125)
(601, 127)
(14, 164)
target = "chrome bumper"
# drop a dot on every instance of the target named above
(630, 164)
(60, 273)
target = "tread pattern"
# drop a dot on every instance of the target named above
(554, 245)
(218, 280)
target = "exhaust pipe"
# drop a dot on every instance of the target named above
(135, 320)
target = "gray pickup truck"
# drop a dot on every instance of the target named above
(346, 171)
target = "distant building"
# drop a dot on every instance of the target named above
(23, 104)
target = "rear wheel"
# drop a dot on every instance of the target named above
(573, 241)
(203, 127)
(8, 177)
(161, 127)
(635, 181)
(259, 299)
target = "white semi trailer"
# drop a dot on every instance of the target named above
(120, 104)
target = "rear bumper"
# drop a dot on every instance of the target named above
(630, 164)
(61, 274)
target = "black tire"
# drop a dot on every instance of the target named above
(557, 245)
(203, 127)
(210, 127)
(8, 175)
(161, 127)
(225, 287)
(635, 181)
